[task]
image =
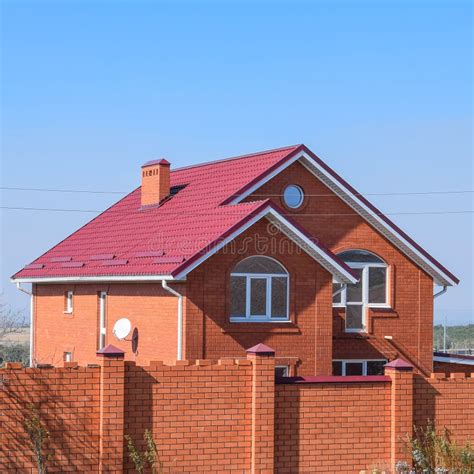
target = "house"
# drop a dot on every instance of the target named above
(207, 260)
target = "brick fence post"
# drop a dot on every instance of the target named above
(401, 407)
(263, 408)
(112, 393)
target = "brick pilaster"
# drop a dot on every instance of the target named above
(263, 408)
(401, 406)
(112, 392)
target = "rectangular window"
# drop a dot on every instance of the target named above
(67, 356)
(238, 296)
(68, 296)
(102, 319)
(377, 285)
(337, 293)
(279, 302)
(354, 317)
(358, 367)
(258, 297)
(282, 371)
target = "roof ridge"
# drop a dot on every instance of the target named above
(238, 157)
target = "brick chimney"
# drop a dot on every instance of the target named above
(155, 181)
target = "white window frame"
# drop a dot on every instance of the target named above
(365, 292)
(357, 361)
(67, 356)
(69, 302)
(263, 318)
(102, 319)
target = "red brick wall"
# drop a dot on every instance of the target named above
(68, 402)
(448, 400)
(409, 320)
(448, 368)
(152, 310)
(224, 416)
(331, 427)
(209, 332)
(200, 415)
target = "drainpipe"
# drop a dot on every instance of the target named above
(441, 292)
(165, 286)
(18, 285)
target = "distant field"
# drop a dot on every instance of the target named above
(22, 337)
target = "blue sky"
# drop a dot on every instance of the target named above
(382, 91)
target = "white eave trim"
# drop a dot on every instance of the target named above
(362, 209)
(453, 360)
(340, 273)
(91, 279)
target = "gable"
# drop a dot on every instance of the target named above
(337, 198)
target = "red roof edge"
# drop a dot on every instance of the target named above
(261, 349)
(262, 175)
(380, 214)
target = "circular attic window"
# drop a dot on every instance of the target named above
(293, 196)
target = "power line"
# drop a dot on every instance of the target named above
(468, 211)
(87, 191)
(90, 191)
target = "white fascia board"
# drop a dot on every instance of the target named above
(360, 208)
(91, 279)
(453, 360)
(291, 232)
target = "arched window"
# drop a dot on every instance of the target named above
(369, 291)
(259, 290)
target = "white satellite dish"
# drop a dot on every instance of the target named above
(122, 328)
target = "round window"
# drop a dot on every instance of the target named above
(293, 196)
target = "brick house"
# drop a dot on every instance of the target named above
(208, 260)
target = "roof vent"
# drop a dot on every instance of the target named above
(155, 182)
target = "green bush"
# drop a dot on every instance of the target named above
(14, 352)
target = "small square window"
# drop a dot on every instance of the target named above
(282, 371)
(337, 367)
(67, 356)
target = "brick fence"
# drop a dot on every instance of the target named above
(223, 416)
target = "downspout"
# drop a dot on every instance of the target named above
(18, 285)
(165, 286)
(441, 292)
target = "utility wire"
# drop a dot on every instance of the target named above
(12, 208)
(87, 191)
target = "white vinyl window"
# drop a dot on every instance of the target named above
(259, 291)
(369, 292)
(68, 306)
(102, 319)
(358, 367)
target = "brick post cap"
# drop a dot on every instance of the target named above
(111, 351)
(261, 350)
(399, 364)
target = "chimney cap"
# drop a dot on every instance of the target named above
(162, 161)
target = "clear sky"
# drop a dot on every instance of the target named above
(382, 91)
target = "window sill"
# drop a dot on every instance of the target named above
(68, 313)
(287, 327)
(259, 321)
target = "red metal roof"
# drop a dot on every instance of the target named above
(176, 230)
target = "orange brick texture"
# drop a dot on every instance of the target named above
(223, 416)
(332, 427)
(67, 400)
(401, 407)
(200, 413)
(448, 401)
(150, 309)
(448, 368)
